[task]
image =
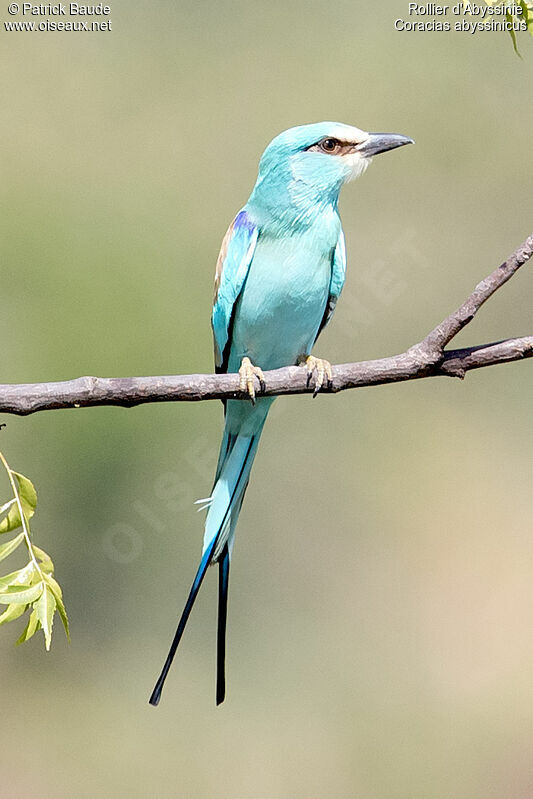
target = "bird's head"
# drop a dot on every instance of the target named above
(310, 163)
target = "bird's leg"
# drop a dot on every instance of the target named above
(323, 370)
(246, 374)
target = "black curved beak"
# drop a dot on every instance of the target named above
(381, 142)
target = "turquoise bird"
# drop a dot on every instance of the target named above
(279, 275)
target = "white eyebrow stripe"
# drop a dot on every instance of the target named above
(347, 133)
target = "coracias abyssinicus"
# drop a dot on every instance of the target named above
(278, 277)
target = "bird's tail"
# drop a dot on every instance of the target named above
(235, 461)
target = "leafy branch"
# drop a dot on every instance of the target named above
(516, 11)
(32, 588)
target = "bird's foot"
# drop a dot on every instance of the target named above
(323, 371)
(247, 372)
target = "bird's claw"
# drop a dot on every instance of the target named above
(323, 370)
(247, 372)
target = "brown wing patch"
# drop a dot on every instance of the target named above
(221, 258)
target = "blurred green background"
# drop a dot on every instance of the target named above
(381, 605)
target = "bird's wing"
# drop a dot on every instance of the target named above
(233, 262)
(338, 274)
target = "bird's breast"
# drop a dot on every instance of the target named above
(283, 301)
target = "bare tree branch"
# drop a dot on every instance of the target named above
(425, 359)
(435, 341)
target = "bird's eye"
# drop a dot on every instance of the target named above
(330, 146)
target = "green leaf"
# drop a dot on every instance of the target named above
(12, 613)
(15, 594)
(7, 505)
(512, 34)
(44, 559)
(28, 500)
(31, 628)
(28, 495)
(45, 607)
(58, 596)
(11, 521)
(20, 577)
(7, 549)
(529, 16)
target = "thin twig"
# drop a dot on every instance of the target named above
(425, 359)
(440, 336)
